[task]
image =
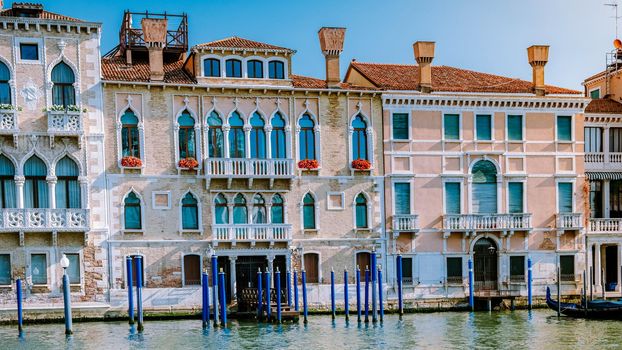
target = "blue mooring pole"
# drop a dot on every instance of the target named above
(223, 301)
(139, 291)
(296, 291)
(20, 318)
(67, 300)
(259, 295)
(381, 309)
(366, 294)
(277, 282)
(288, 277)
(529, 282)
(268, 290)
(332, 292)
(205, 295)
(400, 300)
(345, 295)
(358, 294)
(374, 274)
(304, 296)
(130, 287)
(471, 296)
(215, 288)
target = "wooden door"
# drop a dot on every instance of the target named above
(312, 261)
(192, 270)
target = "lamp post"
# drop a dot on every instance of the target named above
(64, 263)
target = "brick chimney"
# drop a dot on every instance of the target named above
(424, 54)
(331, 43)
(154, 33)
(538, 56)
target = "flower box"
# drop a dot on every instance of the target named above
(361, 164)
(131, 162)
(308, 164)
(188, 163)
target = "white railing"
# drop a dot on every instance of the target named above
(251, 232)
(64, 122)
(405, 223)
(44, 219)
(8, 121)
(474, 222)
(225, 167)
(605, 226)
(603, 161)
(569, 220)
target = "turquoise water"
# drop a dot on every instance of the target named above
(539, 329)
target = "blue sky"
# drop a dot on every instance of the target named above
(484, 35)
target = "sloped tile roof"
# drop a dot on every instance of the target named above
(42, 15)
(235, 42)
(604, 106)
(303, 82)
(116, 69)
(444, 78)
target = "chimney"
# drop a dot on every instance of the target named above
(331, 43)
(424, 54)
(154, 34)
(538, 56)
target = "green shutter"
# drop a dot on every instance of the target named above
(484, 127)
(517, 266)
(5, 269)
(402, 198)
(595, 94)
(515, 194)
(452, 198)
(515, 127)
(400, 126)
(454, 267)
(564, 128)
(564, 194)
(566, 265)
(452, 126)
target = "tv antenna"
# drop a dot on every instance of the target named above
(614, 4)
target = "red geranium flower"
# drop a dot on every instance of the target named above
(131, 162)
(308, 164)
(361, 164)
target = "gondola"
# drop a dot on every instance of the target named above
(596, 309)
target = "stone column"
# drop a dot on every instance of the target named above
(271, 269)
(84, 192)
(232, 260)
(605, 191)
(225, 134)
(19, 188)
(247, 138)
(51, 180)
(268, 131)
(597, 268)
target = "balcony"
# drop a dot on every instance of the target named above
(244, 168)
(487, 222)
(65, 123)
(8, 121)
(569, 221)
(405, 223)
(251, 233)
(44, 220)
(603, 161)
(604, 226)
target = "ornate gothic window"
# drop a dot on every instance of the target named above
(35, 186)
(130, 142)
(215, 136)
(308, 212)
(258, 137)
(68, 194)
(132, 212)
(63, 92)
(277, 138)
(5, 88)
(221, 210)
(236, 136)
(359, 138)
(189, 212)
(187, 138)
(7, 183)
(307, 137)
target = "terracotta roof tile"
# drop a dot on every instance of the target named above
(42, 15)
(444, 78)
(303, 82)
(235, 42)
(604, 106)
(115, 68)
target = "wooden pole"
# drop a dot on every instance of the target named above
(559, 291)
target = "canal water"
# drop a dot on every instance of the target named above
(518, 330)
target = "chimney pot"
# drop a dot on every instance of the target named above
(331, 43)
(424, 54)
(538, 56)
(154, 35)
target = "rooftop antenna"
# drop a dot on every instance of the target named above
(614, 4)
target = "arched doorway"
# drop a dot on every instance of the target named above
(485, 264)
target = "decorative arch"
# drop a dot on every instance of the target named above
(10, 81)
(368, 219)
(7, 182)
(214, 135)
(141, 132)
(301, 153)
(187, 208)
(81, 168)
(278, 209)
(197, 135)
(368, 134)
(141, 212)
(279, 136)
(485, 187)
(487, 235)
(235, 134)
(221, 205)
(309, 210)
(240, 209)
(36, 189)
(61, 59)
(35, 152)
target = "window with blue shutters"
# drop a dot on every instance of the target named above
(483, 125)
(308, 212)
(132, 212)
(451, 123)
(400, 126)
(221, 210)
(361, 211)
(258, 137)
(254, 69)
(189, 212)
(187, 141)
(515, 127)
(564, 197)
(515, 197)
(236, 136)
(277, 137)
(306, 137)
(452, 197)
(259, 215)
(401, 192)
(63, 92)
(7, 183)
(35, 186)
(240, 213)
(5, 87)
(211, 67)
(68, 194)
(233, 68)
(564, 128)
(359, 138)
(277, 209)
(215, 136)
(5, 270)
(484, 189)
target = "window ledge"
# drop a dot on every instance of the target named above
(363, 230)
(310, 231)
(200, 232)
(452, 141)
(400, 140)
(564, 141)
(132, 231)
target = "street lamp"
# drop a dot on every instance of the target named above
(64, 263)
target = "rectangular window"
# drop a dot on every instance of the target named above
(400, 126)
(596, 199)
(483, 125)
(407, 270)
(5, 269)
(402, 198)
(73, 271)
(39, 268)
(276, 70)
(515, 127)
(564, 128)
(515, 197)
(615, 199)
(564, 197)
(452, 126)
(566, 267)
(29, 51)
(517, 268)
(615, 140)
(454, 270)
(233, 68)
(593, 139)
(595, 94)
(452, 198)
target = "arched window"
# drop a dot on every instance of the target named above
(259, 210)
(234, 68)
(359, 138)
(187, 144)
(240, 214)
(215, 136)
(35, 186)
(277, 138)
(236, 136)
(361, 211)
(308, 212)
(189, 212)
(211, 67)
(63, 92)
(132, 212)
(5, 88)
(68, 194)
(254, 69)
(276, 70)
(312, 267)
(307, 137)
(7, 183)
(258, 137)
(484, 187)
(277, 210)
(130, 143)
(221, 210)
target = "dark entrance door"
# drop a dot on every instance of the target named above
(192, 270)
(611, 268)
(485, 264)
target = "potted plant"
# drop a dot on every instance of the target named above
(308, 164)
(131, 162)
(9, 107)
(361, 164)
(188, 163)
